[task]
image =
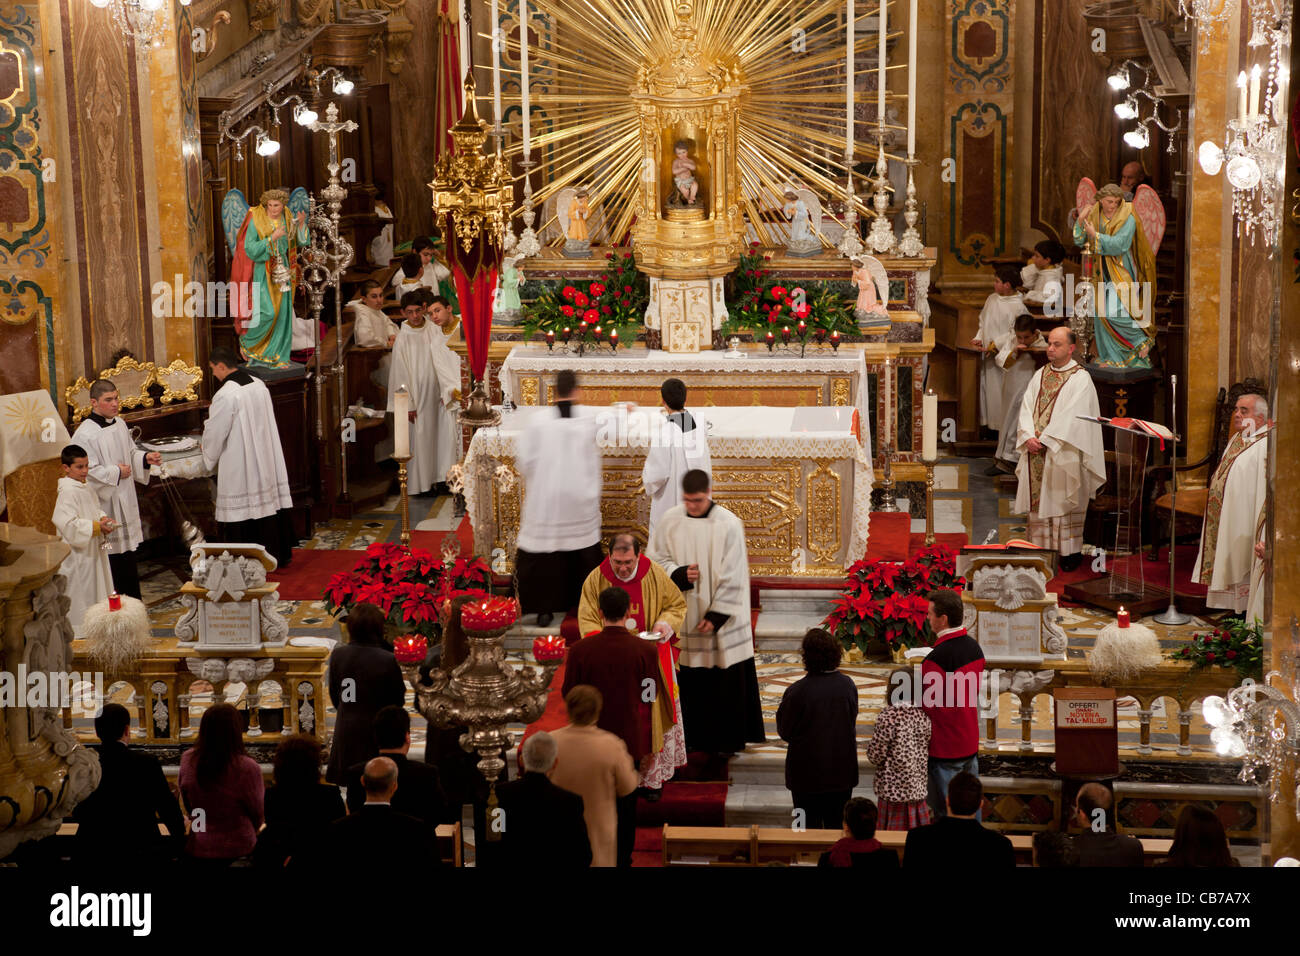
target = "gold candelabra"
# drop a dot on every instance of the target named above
(406, 501)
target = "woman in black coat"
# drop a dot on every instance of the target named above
(364, 676)
(298, 807)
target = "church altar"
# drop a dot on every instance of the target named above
(798, 477)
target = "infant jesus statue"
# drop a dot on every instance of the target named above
(684, 174)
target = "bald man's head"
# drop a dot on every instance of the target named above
(1093, 803)
(1132, 176)
(380, 779)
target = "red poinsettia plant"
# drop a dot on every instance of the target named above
(407, 584)
(885, 602)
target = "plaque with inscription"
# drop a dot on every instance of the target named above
(1011, 636)
(232, 624)
(1087, 736)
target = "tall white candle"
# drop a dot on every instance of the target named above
(464, 51)
(1254, 92)
(496, 69)
(884, 33)
(911, 82)
(889, 388)
(1241, 97)
(849, 70)
(523, 75)
(402, 423)
(930, 426)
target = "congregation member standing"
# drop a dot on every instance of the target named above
(678, 446)
(543, 824)
(363, 678)
(702, 547)
(559, 532)
(80, 521)
(242, 443)
(116, 465)
(375, 841)
(1062, 463)
(430, 373)
(818, 719)
(899, 749)
(419, 793)
(950, 678)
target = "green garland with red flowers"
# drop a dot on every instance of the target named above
(1234, 643)
(759, 302)
(614, 301)
(885, 602)
(407, 584)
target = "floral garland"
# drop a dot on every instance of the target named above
(1233, 644)
(590, 311)
(759, 302)
(884, 601)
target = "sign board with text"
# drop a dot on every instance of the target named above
(1087, 733)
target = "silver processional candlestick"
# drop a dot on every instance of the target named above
(1171, 615)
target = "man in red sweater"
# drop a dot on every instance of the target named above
(950, 676)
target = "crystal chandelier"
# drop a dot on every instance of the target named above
(141, 20)
(1261, 724)
(1210, 16)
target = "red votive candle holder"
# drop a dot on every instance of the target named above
(819, 334)
(785, 334)
(770, 339)
(411, 648)
(115, 602)
(803, 327)
(596, 331)
(582, 325)
(567, 333)
(550, 338)
(613, 337)
(489, 614)
(548, 648)
(1123, 617)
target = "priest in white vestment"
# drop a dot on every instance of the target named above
(1043, 277)
(1015, 356)
(559, 531)
(679, 445)
(997, 319)
(430, 372)
(1062, 464)
(1228, 561)
(242, 443)
(114, 463)
(82, 523)
(702, 547)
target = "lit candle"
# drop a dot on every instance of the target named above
(1254, 92)
(496, 68)
(401, 423)
(567, 333)
(582, 327)
(1241, 97)
(596, 331)
(881, 78)
(930, 425)
(785, 334)
(523, 75)
(613, 337)
(550, 338)
(464, 51)
(889, 388)
(850, 28)
(803, 327)
(1123, 617)
(911, 82)
(115, 602)
(835, 340)
(770, 339)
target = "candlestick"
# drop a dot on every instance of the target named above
(1241, 97)
(523, 76)
(835, 341)
(1123, 617)
(911, 81)
(929, 501)
(850, 30)
(405, 538)
(889, 384)
(402, 423)
(550, 339)
(930, 425)
(771, 339)
(880, 68)
(496, 69)
(1254, 92)
(910, 243)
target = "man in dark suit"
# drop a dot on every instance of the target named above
(541, 824)
(376, 839)
(958, 840)
(419, 793)
(1099, 844)
(118, 823)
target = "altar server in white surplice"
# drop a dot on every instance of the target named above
(559, 532)
(678, 446)
(431, 374)
(82, 523)
(1061, 459)
(1228, 561)
(702, 547)
(1016, 360)
(1043, 277)
(997, 319)
(114, 462)
(242, 443)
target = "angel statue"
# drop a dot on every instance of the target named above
(505, 309)
(1124, 238)
(802, 242)
(873, 292)
(264, 247)
(577, 242)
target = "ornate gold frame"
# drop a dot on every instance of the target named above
(185, 391)
(127, 365)
(80, 389)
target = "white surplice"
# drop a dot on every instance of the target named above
(371, 328)
(560, 464)
(1044, 286)
(671, 455)
(432, 274)
(997, 318)
(1235, 577)
(76, 518)
(107, 447)
(1076, 466)
(431, 373)
(241, 441)
(1017, 369)
(716, 543)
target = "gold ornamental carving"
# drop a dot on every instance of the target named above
(473, 187)
(840, 391)
(824, 512)
(528, 389)
(400, 30)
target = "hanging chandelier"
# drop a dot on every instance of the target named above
(469, 186)
(1260, 723)
(141, 20)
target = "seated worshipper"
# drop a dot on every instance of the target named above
(899, 748)
(372, 329)
(364, 677)
(1097, 843)
(818, 718)
(1229, 562)
(418, 794)
(430, 373)
(1199, 841)
(298, 806)
(950, 677)
(242, 444)
(680, 445)
(376, 840)
(1054, 850)
(559, 532)
(117, 825)
(440, 313)
(996, 320)
(1062, 463)
(1015, 358)
(221, 786)
(424, 270)
(957, 840)
(1043, 277)
(1131, 177)
(408, 276)
(81, 523)
(596, 765)
(859, 846)
(702, 547)
(114, 462)
(653, 597)
(544, 826)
